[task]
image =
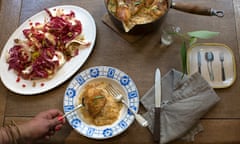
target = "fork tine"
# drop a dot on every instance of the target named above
(112, 90)
(109, 90)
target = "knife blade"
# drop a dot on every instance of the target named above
(199, 61)
(158, 90)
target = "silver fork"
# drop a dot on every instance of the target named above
(119, 97)
(221, 57)
(73, 110)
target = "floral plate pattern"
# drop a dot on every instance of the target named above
(118, 79)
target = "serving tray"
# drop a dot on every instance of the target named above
(214, 61)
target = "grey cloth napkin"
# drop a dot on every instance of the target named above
(184, 102)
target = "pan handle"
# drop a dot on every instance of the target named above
(190, 8)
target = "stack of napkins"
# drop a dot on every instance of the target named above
(184, 101)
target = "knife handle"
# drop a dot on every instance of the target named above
(141, 120)
(156, 129)
(223, 74)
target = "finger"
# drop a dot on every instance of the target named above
(58, 127)
(54, 113)
(54, 122)
(61, 119)
(51, 133)
(47, 137)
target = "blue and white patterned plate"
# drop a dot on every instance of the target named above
(118, 79)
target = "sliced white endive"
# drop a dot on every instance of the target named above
(59, 57)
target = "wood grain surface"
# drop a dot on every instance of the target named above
(139, 60)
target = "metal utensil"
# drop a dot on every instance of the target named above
(199, 61)
(221, 57)
(209, 58)
(119, 97)
(156, 130)
(76, 108)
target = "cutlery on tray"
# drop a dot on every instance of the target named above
(156, 129)
(209, 58)
(221, 57)
(199, 62)
(119, 97)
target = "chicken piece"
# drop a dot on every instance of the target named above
(94, 101)
(134, 6)
(148, 3)
(158, 8)
(123, 12)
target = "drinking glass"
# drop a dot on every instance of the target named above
(167, 34)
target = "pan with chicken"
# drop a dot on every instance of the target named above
(139, 16)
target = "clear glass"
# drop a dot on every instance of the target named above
(167, 34)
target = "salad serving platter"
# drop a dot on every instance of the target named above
(30, 87)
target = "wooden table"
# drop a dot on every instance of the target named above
(138, 60)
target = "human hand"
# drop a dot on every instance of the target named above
(43, 125)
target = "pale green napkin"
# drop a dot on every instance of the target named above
(184, 102)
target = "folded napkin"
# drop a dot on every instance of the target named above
(184, 101)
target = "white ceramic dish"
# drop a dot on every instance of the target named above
(27, 87)
(119, 80)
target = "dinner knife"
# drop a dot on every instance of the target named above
(156, 130)
(199, 61)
